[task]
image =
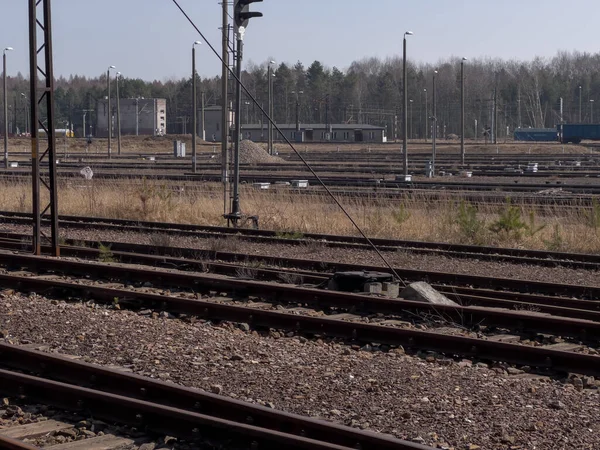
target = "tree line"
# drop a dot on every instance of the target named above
(508, 93)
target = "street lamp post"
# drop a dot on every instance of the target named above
(426, 116)
(405, 106)
(109, 109)
(434, 126)
(297, 108)
(25, 112)
(411, 119)
(591, 111)
(579, 104)
(270, 76)
(118, 116)
(462, 111)
(194, 106)
(7, 49)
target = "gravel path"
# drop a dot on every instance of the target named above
(451, 405)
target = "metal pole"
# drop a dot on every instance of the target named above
(203, 129)
(434, 128)
(137, 116)
(270, 99)
(195, 109)
(5, 98)
(224, 101)
(297, 111)
(404, 108)
(235, 207)
(579, 104)
(426, 116)
(591, 111)
(118, 118)
(462, 111)
(411, 120)
(46, 99)
(519, 107)
(109, 111)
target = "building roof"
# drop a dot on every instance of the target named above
(314, 126)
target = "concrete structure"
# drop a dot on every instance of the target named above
(313, 132)
(143, 116)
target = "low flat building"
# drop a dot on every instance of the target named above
(139, 116)
(309, 132)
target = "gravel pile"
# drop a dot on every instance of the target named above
(460, 405)
(252, 153)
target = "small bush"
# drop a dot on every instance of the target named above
(470, 226)
(401, 215)
(290, 235)
(533, 228)
(555, 243)
(227, 244)
(509, 223)
(593, 216)
(105, 255)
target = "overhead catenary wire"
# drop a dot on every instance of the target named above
(289, 143)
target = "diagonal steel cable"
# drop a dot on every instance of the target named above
(288, 142)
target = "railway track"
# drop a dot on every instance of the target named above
(306, 310)
(510, 255)
(285, 271)
(161, 408)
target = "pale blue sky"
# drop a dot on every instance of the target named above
(150, 39)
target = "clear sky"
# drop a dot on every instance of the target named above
(150, 39)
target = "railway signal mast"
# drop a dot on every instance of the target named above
(241, 16)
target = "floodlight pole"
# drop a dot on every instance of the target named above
(434, 127)
(5, 99)
(462, 111)
(109, 110)
(405, 106)
(118, 116)
(194, 107)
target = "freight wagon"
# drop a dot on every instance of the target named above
(536, 134)
(576, 132)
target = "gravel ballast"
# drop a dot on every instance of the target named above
(452, 405)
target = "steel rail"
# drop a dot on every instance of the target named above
(361, 332)
(142, 388)
(523, 256)
(569, 307)
(586, 323)
(153, 416)
(12, 444)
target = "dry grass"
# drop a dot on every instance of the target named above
(575, 228)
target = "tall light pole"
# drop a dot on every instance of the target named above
(109, 109)
(426, 116)
(579, 104)
(591, 111)
(118, 116)
(434, 127)
(7, 49)
(194, 106)
(462, 111)
(405, 106)
(270, 76)
(411, 118)
(25, 112)
(297, 108)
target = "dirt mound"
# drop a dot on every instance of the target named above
(252, 153)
